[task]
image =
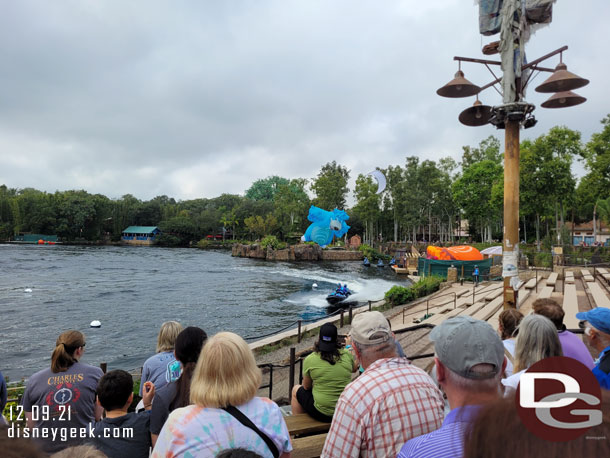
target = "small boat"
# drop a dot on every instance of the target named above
(366, 262)
(401, 270)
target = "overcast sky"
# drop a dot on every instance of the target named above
(198, 98)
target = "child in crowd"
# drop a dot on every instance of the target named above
(122, 434)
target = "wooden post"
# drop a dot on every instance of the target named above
(271, 381)
(511, 208)
(299, 334)
(291, 373)
(350, 314)
(370, 306)
(341, 320)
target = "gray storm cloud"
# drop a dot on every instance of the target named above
(194, 99)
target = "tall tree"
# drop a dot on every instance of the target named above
(488, 149)
(597, 158)
(395, 194)
(291, 203)
(330, 186)
(472, 191)
(266, 188)
(547, 181)
(367, 206)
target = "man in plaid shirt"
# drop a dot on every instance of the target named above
(390, 403)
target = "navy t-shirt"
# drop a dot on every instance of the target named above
(127, 436)
(161, 406)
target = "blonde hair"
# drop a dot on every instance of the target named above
(167, 336)
(537, 340)
(80, 451)
(226, 373)
(65, 346)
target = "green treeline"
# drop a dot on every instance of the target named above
(423, 200)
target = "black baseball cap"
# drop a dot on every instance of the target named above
(328, 337)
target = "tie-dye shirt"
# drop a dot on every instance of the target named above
(195, 431)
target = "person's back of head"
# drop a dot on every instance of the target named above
(328, 344)
(168, 333)
(65, 347)
(509, 321)
(537, 340)
(80, 451)
(238, 453)
(115, 389)
(188, 348)
(471, 356)
(372, 337)
(21, 447)
(551, 309)
(226, 373)
(498, 431)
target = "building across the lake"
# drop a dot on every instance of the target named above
(140, 235)
(39, 239)
(583, 233)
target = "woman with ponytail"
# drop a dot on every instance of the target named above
(177, 394)
(64, 395)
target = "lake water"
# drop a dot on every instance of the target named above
(132, 290)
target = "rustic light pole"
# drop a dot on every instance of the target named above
(514, 113)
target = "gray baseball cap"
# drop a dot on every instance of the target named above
(463, 342)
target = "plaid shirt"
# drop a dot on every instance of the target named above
(392, 402)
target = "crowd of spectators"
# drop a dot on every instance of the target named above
(199, 394)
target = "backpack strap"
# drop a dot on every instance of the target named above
(244, 420)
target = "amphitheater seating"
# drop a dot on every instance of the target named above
(586, 275)
(546, 292)
(599, 296)
(308, 435)
(489, 310)
(552, 279)
(570, 306)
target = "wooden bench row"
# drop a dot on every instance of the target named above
(307, 435)
(599, 296)
(586, 275)
(552, 279)
(570, 306)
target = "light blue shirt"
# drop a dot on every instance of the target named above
(445, 442)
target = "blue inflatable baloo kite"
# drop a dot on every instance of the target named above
(325, 225)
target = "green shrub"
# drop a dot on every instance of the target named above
(170, 240)
(372, 253)
(203, 244)
(543, 259)
(398, 295)
(270, 241)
